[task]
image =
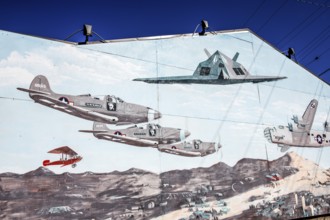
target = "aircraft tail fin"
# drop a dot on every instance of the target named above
(235, 57)
(208, 54)
(40, 84)
(100, 127)
(309, 114)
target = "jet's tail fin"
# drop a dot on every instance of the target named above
(235, 57)
(98, 127)
(309, 114)
(208, 54)
(40, 83)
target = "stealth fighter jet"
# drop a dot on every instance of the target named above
(218, 69)
(301, 134)
(148, 135)
(110, 110)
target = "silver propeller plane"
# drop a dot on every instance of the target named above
(110, 110)
(301, 134)
(148, 135)
(168, 140)
(193, 148)
(218, 69)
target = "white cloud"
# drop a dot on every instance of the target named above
(66, 60)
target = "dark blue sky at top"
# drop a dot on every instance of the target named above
(301, 24)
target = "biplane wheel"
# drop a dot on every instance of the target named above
(74, 165)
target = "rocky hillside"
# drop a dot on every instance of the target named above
(43, 194)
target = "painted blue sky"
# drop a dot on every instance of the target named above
(230, 113)
(301, 24)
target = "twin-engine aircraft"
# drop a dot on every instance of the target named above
(218, 69)
(68, 157)
(165, 139)
(301, 134)
(110, 110)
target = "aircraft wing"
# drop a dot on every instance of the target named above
(179, 152)
(209, 80)
(63, 150)
(131, 140)
(94, 114)
(169, 80)
(33, 91)
(259, 79)
(57, 104)
(93, 131)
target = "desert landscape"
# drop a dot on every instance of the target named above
(216, 192)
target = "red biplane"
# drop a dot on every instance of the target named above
(68, 157)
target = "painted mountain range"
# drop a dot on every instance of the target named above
(216, 192)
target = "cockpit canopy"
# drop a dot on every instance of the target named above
(114, 99)
(150, 126)
(88, 95)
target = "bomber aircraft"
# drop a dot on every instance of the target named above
(148, 135)
(110, 110)
(218, 69)
(301, 134)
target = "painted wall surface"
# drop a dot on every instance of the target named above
(117, 181)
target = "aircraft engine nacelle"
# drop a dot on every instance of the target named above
(295, 119)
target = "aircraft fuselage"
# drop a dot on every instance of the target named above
(89, 108)
(282, 135)
(194, 148)
(147, 135)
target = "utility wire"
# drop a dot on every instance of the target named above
(298, 26)
(305, 26)
(15, 99)
(254, 13)
(315, 42)
(306, 55)
(318, 57)
(275, 12)
(139, 59)
(323, 5)
(263, 111)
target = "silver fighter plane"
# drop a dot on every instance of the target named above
(218, 69)
(148, 135)
(168, 140)
(193, 148)
(110, 110)
(301, 134)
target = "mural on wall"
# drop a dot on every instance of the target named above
(160, 138)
